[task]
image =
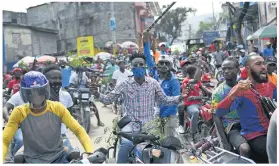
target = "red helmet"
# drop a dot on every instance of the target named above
(17, 69)
(184, 62)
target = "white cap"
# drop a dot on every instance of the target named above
(242, 50)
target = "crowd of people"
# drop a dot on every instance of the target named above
(147, 84)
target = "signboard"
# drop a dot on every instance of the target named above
(112, 24)
(209, 36)
(148, 22)
(270, 12)
(85, 46)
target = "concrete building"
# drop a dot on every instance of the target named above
(74, 19)
(23, 40)
(15, 17)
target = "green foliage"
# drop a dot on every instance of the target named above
(78, 61)
(204, 26)
(155, 127)
(172, 21)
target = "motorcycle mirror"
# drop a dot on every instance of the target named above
(124, 121)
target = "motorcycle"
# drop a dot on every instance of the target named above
(207, 151)
(205, 122)
(82, 104)
(147, 149)
(99, 156)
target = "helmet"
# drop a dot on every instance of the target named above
(33, 85)
(184, 62)
(17, 69)
(165, 58)
(200, 49)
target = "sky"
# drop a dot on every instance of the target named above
(205, 8)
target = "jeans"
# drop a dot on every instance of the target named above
(193, 111)
(124, 149)
(67, 144)
(17, 142)
(170, 126)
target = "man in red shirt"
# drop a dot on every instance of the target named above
(14, 84)
(193, 72)
(212, 47)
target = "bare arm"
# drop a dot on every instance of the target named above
(8, 106)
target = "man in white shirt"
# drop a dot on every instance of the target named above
(78, 79)
(121, 74)
(118, 76)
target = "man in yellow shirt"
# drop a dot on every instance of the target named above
(40, 121)
(271, 67)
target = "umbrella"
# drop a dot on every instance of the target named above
(27, 60)
(269, 31)
(102, 55)
(249, 37)
(129, 44)
(46, 58)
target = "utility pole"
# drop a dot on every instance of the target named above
(213, 18)
(113, 29)
(190, 30)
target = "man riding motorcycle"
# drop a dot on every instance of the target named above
(243, 97)
(230, 69)
(170, 84)
(193, 72)
(40, 121)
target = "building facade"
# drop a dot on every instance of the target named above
(23, 40)
(74, 19)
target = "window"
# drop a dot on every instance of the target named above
(14, 20)
(16, 38)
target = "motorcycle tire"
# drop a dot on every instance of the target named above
(87, 121)
(203, 129)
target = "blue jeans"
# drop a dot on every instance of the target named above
(67, 144)
(194, 111)
(124, 149)
(17, 142)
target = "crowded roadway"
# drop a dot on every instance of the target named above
(194, 105)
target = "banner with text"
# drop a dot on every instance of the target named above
(85, 46)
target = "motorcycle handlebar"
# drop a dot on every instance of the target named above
(137, 138)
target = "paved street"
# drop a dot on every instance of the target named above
(107, 116)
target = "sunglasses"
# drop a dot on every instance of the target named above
(139, 64)
(164, 63)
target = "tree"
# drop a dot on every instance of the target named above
(172, 21)
(238, 15)
(204, 26)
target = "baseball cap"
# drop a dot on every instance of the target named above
(267, 43)
(271, 60)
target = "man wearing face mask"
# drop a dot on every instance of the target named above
(40, 121)
(14, 84)
(171, 86)
(139, 97)
(53, 74)
(253, 120)
(268, 51)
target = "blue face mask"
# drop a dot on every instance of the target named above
(139, 72)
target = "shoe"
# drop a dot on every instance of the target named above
(101, 124)
(181, 130)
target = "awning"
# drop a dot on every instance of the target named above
(269, 31)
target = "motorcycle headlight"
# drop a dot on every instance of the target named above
(85, 96)
(75, 94)
(156, 152)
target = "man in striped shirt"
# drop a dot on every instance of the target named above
(140, 95)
